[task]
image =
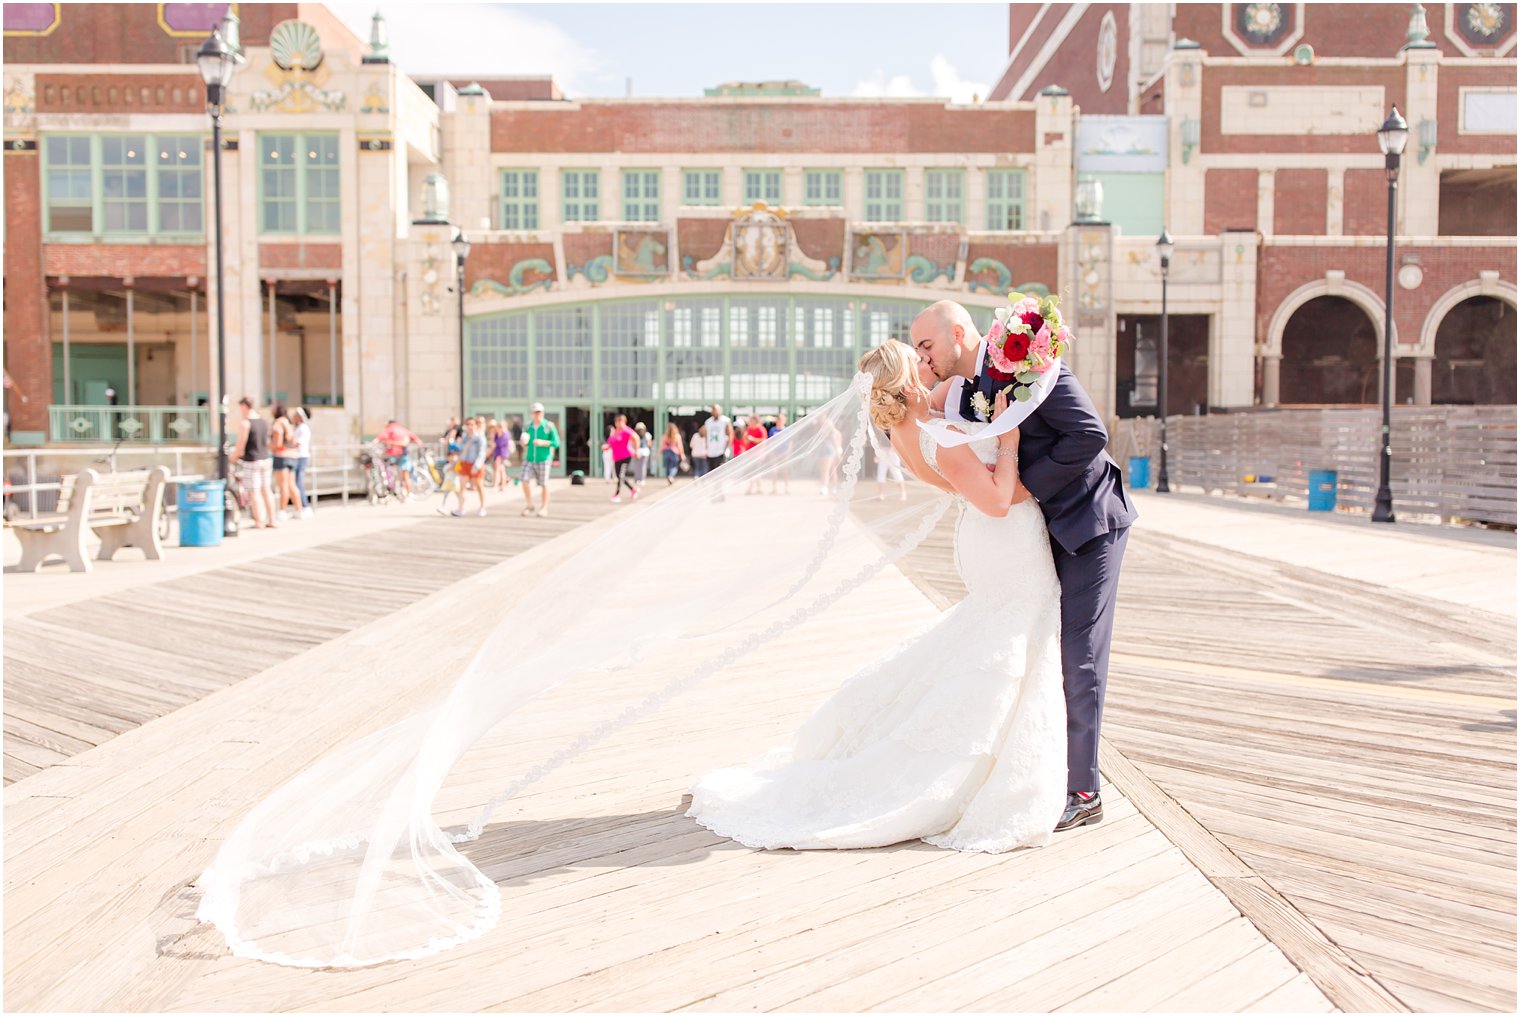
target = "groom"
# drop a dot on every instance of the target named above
(1064, 464)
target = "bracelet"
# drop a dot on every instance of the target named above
(1009, 453)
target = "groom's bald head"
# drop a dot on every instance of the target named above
(946, 339)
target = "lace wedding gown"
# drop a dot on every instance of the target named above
(957, 736)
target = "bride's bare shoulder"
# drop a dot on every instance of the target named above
(938, 396)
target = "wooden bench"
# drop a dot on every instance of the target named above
(122, 508)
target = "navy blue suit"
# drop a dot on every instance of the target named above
(1063, 460)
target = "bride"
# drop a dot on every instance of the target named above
(958, 735)
(364, 855)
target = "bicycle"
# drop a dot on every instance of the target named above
(377, 480)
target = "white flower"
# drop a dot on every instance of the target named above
(982, 406)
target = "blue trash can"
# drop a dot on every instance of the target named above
(1139, 472)
(200, 514)
(1322, 490)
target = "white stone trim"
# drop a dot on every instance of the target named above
(1227, 27)
(1019, 49)
(1055, 42)
(1455, 37)
(1333, 284)
(1487, 284)
(1401, 240)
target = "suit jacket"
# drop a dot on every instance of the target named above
(1063, 460)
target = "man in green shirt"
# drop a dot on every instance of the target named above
(540, 441)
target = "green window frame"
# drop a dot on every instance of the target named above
(823, 187)
(180, 184)
(1005, 199)
(762, 185)
(945, 195)
(299, 184)
(124, 183)
(580, 195)
(519, 199)
(641, 195)
(701, 187)
(884, 195)
(124, 186)
(69, 178)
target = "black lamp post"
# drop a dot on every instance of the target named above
(461, 252)
(1164, 247)
(217, 62)
(1392, 137)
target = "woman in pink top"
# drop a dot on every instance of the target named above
(622, 443)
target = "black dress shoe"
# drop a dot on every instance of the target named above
(1079, 812)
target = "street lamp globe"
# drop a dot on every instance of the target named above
(1164, 247)
(461, 246)
(1394, 134)
(216, 62)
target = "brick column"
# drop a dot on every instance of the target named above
(28, 341)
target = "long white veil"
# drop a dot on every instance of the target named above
(347, 864)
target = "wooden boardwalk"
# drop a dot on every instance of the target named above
(125, 662)
(1339, 757)
(614, 901)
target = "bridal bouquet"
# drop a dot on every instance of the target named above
(1024, 342)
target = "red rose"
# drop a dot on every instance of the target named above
(1017, 347)
(997, 375)
(1034, 321)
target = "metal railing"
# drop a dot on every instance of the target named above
(33, 476)
(152, 424)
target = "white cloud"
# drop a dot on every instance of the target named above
(948, 84)
(879, 86)
(461, 40)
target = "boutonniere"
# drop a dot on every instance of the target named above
(982, 406)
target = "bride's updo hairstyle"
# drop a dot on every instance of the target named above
(893, 368)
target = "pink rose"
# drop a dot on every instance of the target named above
(995, 334)
(1063, 340)
(1039, 349)
(1028, 305)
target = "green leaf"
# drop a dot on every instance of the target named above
(1023, 394)
(1029, 377)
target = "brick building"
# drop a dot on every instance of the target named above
(654, 255)
(1250, 133)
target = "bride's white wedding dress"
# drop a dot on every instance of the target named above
(957, 736)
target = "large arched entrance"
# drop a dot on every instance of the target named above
(1475, 354)
(1329, 354)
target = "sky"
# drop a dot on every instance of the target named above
(954, 51)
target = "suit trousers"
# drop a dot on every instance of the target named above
(1089, 588)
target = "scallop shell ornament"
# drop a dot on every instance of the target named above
(295, 45)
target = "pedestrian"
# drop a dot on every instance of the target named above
(830, 457)
(781, 476)
(641, 454)
(472, 465)
(453, 435)
(298, 454)
(282, 438)
(540, 444)
(672, 451)
(396, 444)
(697, 446)
(752, 435)
(255, 468)
(607, 456)
(623, 445)
(501, 454)
(717, 436)
(888, 464)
